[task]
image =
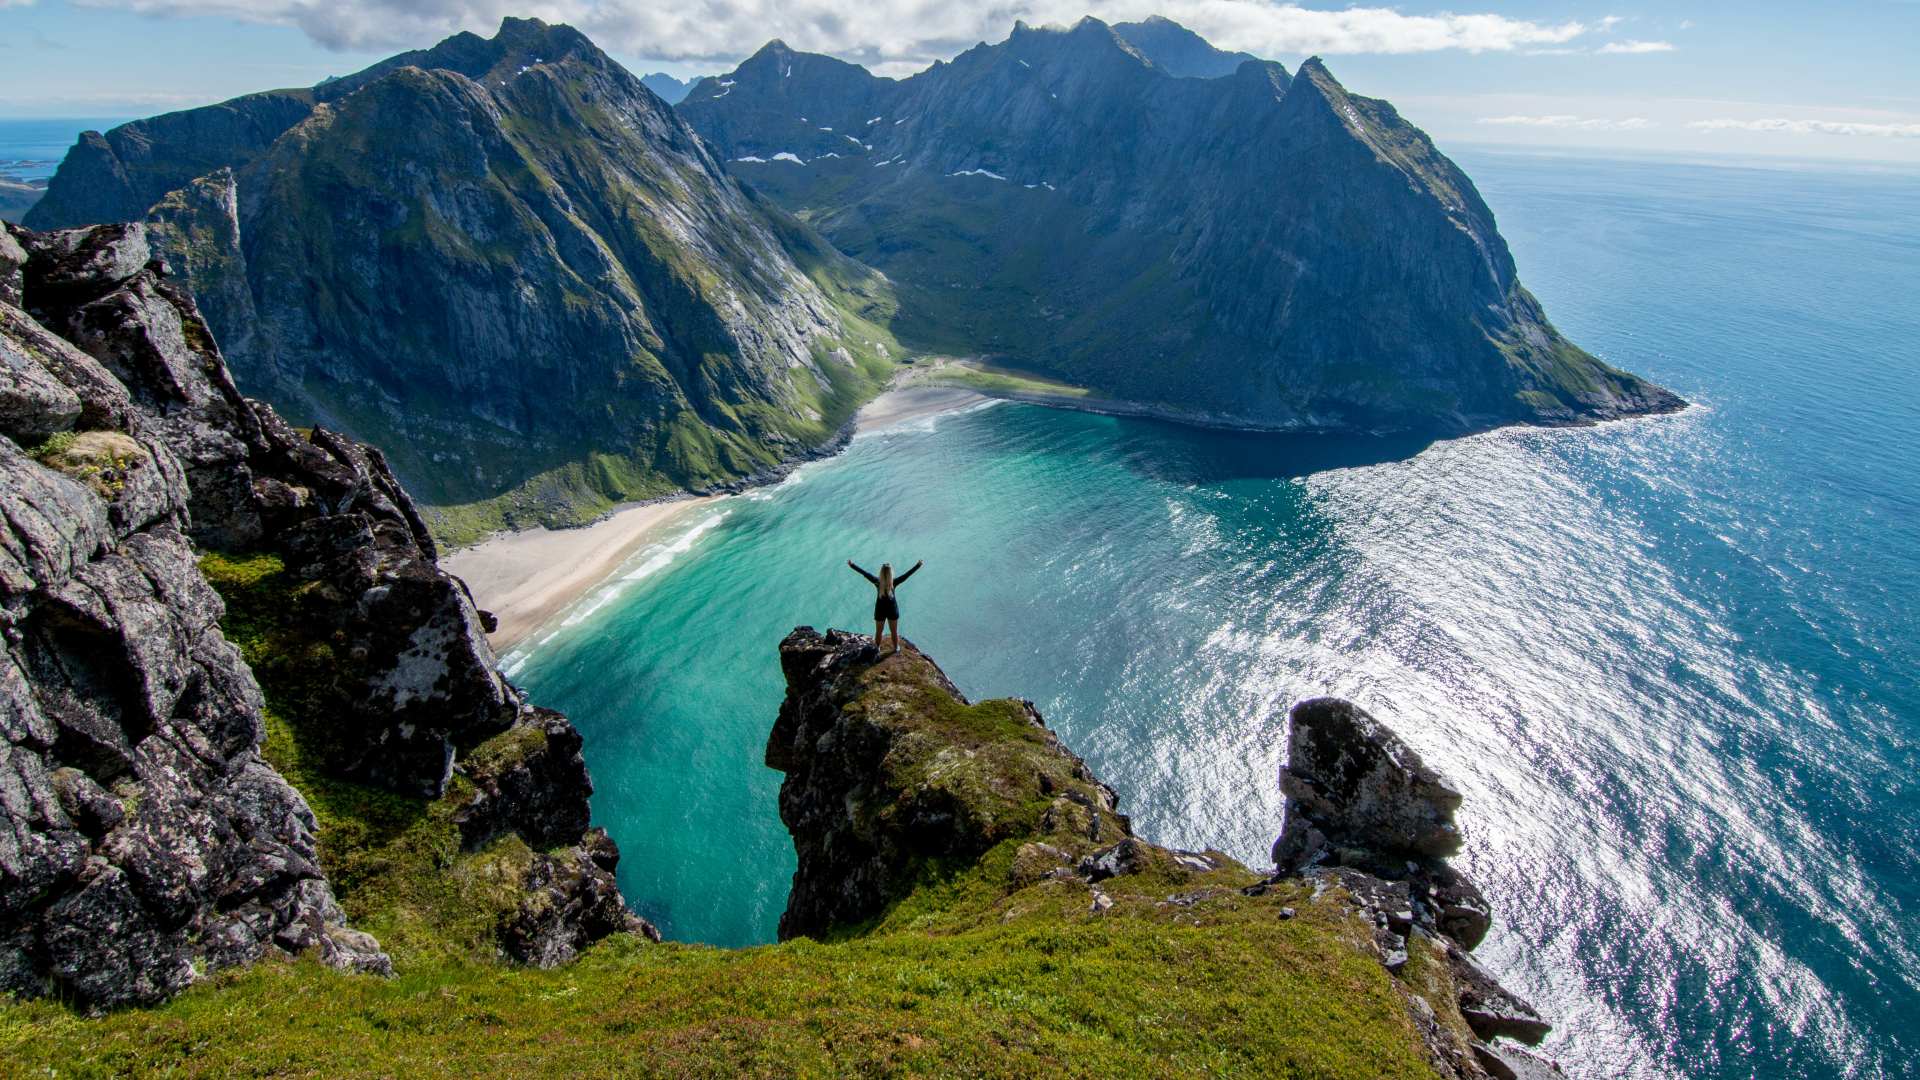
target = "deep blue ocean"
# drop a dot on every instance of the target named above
(32, 149)
(1670, 662)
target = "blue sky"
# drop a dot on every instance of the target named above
(1835, 80)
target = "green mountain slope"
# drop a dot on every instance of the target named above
(1252, 249)
(515, 266)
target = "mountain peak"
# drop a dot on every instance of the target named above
(1179, 51)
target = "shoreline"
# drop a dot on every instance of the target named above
(529, 578)
(526, 579)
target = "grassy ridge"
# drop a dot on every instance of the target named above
(992, 966)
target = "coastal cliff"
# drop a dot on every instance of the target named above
(231, 664)
(914, 810)
(969, 899)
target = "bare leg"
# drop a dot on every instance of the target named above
(879, 627)
(894, 626)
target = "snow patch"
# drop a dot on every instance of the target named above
(788, 155)
(751, 158)
(875, 120)
(978, 172)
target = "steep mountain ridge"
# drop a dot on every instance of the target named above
(1179, 51)
(239, 701)
(514, 265)
(1253, 249)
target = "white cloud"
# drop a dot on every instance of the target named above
(891, 35)
(1570, 122)
(1631, 48)
(1811, 127)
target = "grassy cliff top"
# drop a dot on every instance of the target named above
(1011, 963)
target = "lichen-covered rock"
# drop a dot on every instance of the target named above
(1350, 782)
(144, 842)
(531, 781)
(890, 768)
(12, 258)
(572, 901)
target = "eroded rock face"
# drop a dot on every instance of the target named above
(1366, 816)
(143, 840)
(867, 816)
(1352, 783)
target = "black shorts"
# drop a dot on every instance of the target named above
(886, 607)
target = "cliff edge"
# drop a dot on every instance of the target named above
(241, 704)
(914, 810)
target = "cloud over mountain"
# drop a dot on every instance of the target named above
(892, 35)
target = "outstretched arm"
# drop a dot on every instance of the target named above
(864, 574)
(902, 579)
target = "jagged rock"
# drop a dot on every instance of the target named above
(33, 404)
(1352, 783)
(1455, 904)
(142, 836)
(104, 402)
(12, 258)
(572, 901)
(858, 737)
(1504, 1062)
(1365, 816)
(1491, 1009)
(143, 841)
(69, 266)
(534, 783)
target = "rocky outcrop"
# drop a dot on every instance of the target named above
(143, 840)
(869, 812)
(1364, 814)
(896, 783)
(571, 902)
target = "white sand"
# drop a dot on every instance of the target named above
(526, 578)
(896, 407)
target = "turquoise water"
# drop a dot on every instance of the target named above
(1669, 662)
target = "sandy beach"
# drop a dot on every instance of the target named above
(526, 578)
(902, 404)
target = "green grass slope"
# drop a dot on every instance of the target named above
(987, 967)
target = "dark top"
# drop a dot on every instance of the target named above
(897, 582)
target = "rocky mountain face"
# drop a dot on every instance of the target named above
(895, 780)
(1179, 51)
(1255, 248)
(506, 260)
(145, 841)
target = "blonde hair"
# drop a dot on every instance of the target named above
(886, 577)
